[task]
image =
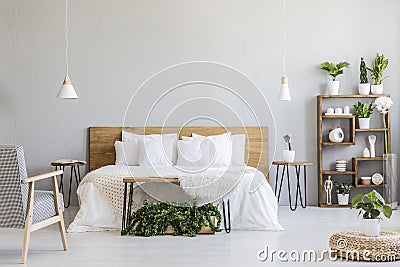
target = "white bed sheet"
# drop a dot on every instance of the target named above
(252, 202)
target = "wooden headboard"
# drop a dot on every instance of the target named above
(102, 139)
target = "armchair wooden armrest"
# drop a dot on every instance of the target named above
(41, 176)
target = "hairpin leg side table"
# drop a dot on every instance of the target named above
(297, 165)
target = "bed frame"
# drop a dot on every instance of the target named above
(102, 139)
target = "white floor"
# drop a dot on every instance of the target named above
(305, 229)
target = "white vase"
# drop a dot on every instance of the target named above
(288, 155)
(333, 87)
(377, 89)
(363, 123)
(364, 88)
(371, 227)
(343, 199)
(336, 135)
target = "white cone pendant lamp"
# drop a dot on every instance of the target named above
(67, 91)
(284, 92)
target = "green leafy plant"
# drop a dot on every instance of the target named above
(334, 70)
(363, 110)
(374, 206)
(363, 72)
(343, 188)
(288, 139)
(153, 219)
(379, 65)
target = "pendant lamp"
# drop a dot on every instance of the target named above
(284, 92)
(67, 91)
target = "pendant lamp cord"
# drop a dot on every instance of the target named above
(284, 37)
(66, 36)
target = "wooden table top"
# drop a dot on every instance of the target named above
(67, 164)
(150, 180)
(294, 163)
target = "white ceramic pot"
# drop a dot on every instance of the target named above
(377, 89)
(363, 123)
(364, 88)
(336, 135)
(371, 227)
(288, 155)
(333, 87)
(343, 199)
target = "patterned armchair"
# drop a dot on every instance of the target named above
(21, 206)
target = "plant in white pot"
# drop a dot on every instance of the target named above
(371, 211)
(343, 192)
(364, 87)
(334, 70)
(289, 154)
(363, 111)
(379, 65)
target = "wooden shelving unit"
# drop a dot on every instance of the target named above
(324, 146)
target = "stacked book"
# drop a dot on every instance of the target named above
(341, 165)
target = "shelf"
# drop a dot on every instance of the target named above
(339, 173)
(337, 144)
(338, 116)
(334, 206)
(371, 130)
(369, 159)
(352, 96)
(368, 186)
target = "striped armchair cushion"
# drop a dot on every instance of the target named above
(14, 195)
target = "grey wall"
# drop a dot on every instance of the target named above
(116, 45)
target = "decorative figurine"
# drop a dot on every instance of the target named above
(372, 139)
(328, 189)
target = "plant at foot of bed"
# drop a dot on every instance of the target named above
(153, 219)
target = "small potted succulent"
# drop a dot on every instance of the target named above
(334, 70)
(371, 211)
(379, 65)
(343, 192)
(289, 154)
(363, 111)
(364, 87)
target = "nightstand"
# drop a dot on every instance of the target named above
(74, 169)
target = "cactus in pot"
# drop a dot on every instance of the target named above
(363, 87)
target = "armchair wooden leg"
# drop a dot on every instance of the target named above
(59, 212)
(28, 221)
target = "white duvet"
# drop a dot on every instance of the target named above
(253, 204)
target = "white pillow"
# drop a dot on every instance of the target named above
(238, 148)
(221, 148)
(192, 152)
(126, 153)
(152, 153)
(169, 142)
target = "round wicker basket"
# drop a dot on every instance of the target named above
(353, 245)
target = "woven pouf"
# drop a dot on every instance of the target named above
(353, 245)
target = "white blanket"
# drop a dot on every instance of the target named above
(253, 204)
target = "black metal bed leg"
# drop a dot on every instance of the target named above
(129, 208)
(124, 209)
(227, 226)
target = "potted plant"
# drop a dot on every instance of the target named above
(289, 154)
(379, 65)
(364, 87)
(363, 111)
(343, 191)
(371, 211)
(334, 70)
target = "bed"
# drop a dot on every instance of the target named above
(253, 204)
